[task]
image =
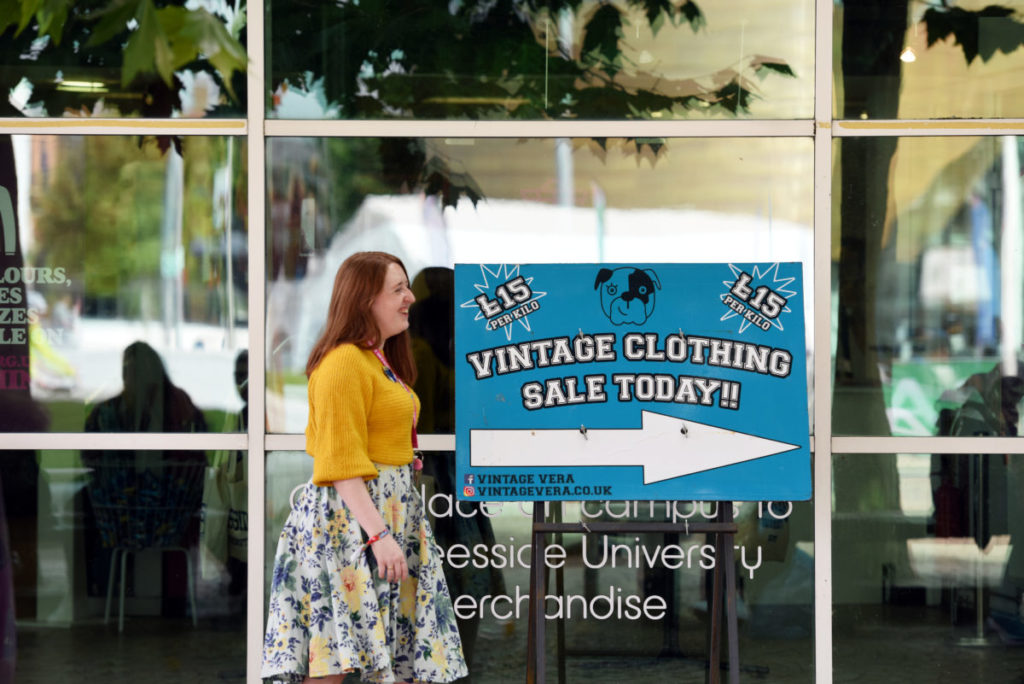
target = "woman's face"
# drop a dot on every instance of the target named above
(390, 307)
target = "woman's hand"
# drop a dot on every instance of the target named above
(391, 563)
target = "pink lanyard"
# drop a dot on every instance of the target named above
(394, 376)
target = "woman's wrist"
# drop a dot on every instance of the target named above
(377, 537)
(370, 542)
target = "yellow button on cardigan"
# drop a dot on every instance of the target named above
(358, 417)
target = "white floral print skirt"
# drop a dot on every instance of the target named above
(330, 614)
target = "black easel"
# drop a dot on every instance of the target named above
(723, 582)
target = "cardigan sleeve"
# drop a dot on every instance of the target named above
(340, 395)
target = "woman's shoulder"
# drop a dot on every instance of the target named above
(344, 356)
(345, 368)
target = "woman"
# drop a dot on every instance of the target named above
(339, 602)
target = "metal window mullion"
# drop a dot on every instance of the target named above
(927, 445)
(931, 127)
(285, 442)
(298, 442)
(257, 195)
(134, 441)
(734, 128)
(843, 444)
(822, 326)
(70, 126)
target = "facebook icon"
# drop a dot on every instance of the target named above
(469, 478)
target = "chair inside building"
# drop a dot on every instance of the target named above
(144, 501)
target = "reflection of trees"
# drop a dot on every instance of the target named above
(523, 59)
(871, 89)
(503, 59)
(99, 218)
(130, 50)
(99, 215)
(89, 41)
(104, 205)
(331, 176)
(871, 71)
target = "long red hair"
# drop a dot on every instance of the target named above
(359, 280)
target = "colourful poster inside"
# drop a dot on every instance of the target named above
(631, 381)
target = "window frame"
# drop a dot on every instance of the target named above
(257, 129)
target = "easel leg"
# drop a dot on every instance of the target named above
(560, 591)
(732, 626)
(538, 589)
(715, 615)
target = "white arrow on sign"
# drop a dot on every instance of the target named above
(661, 446)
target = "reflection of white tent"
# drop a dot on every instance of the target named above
(201, 365)
(533, 232)
(958, 562)
(517, 231)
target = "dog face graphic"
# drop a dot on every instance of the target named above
(627, 293)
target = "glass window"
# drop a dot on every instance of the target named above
(435, 202)
(626, 601)
(123, 284)
(926, 564)
(122, 59)
(928, 274)
(520, 59)
(929, 60)
(117, 533)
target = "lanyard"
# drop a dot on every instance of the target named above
(394, 376)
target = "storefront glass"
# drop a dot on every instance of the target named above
(946, 60)
(94, 533)
(929, 274)
(522, 201)
(520, 59)
(124, 291)
(122, 59)
(628, 606)
(124, 284)
(927, 580)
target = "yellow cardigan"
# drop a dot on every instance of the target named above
(357, 417)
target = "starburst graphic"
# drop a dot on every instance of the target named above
(493, 277)
(768, 278)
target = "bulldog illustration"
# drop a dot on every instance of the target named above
(627, 293)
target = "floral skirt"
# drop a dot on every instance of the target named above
(331, 613)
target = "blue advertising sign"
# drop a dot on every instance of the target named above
(631, 381)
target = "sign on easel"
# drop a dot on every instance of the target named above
(631, 381)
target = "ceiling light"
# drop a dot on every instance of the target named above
(82, 86)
